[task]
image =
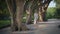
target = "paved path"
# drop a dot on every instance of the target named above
(44, 28)
(5, 31)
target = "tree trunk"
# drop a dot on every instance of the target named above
(40, 15)
(29, 13)
(42, 9)
(12, 11)
(19, 13)
(29, 16)
(16, 16)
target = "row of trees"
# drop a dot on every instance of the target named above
(18, 7)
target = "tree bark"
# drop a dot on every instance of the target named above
(29, 16)
(42, 9)
(16, 11)
(12, 11)
(29, 12)
(19, 13)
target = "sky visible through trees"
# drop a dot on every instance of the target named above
(52, 4)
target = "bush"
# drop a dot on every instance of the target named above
(50, 13)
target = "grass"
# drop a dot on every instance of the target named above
(4, 23)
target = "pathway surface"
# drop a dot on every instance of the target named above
(39, 28)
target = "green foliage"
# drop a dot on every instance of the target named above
(2, 4)
(57, 13)
(57, 9)
(4, 23)
(50, 13)
(4, 13)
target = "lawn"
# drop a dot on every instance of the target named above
(4, 23)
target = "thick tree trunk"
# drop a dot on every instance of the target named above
(42, 9)
(16, 16)
(20, 7)
(29, 16)
(29, 13)
(40, 15)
